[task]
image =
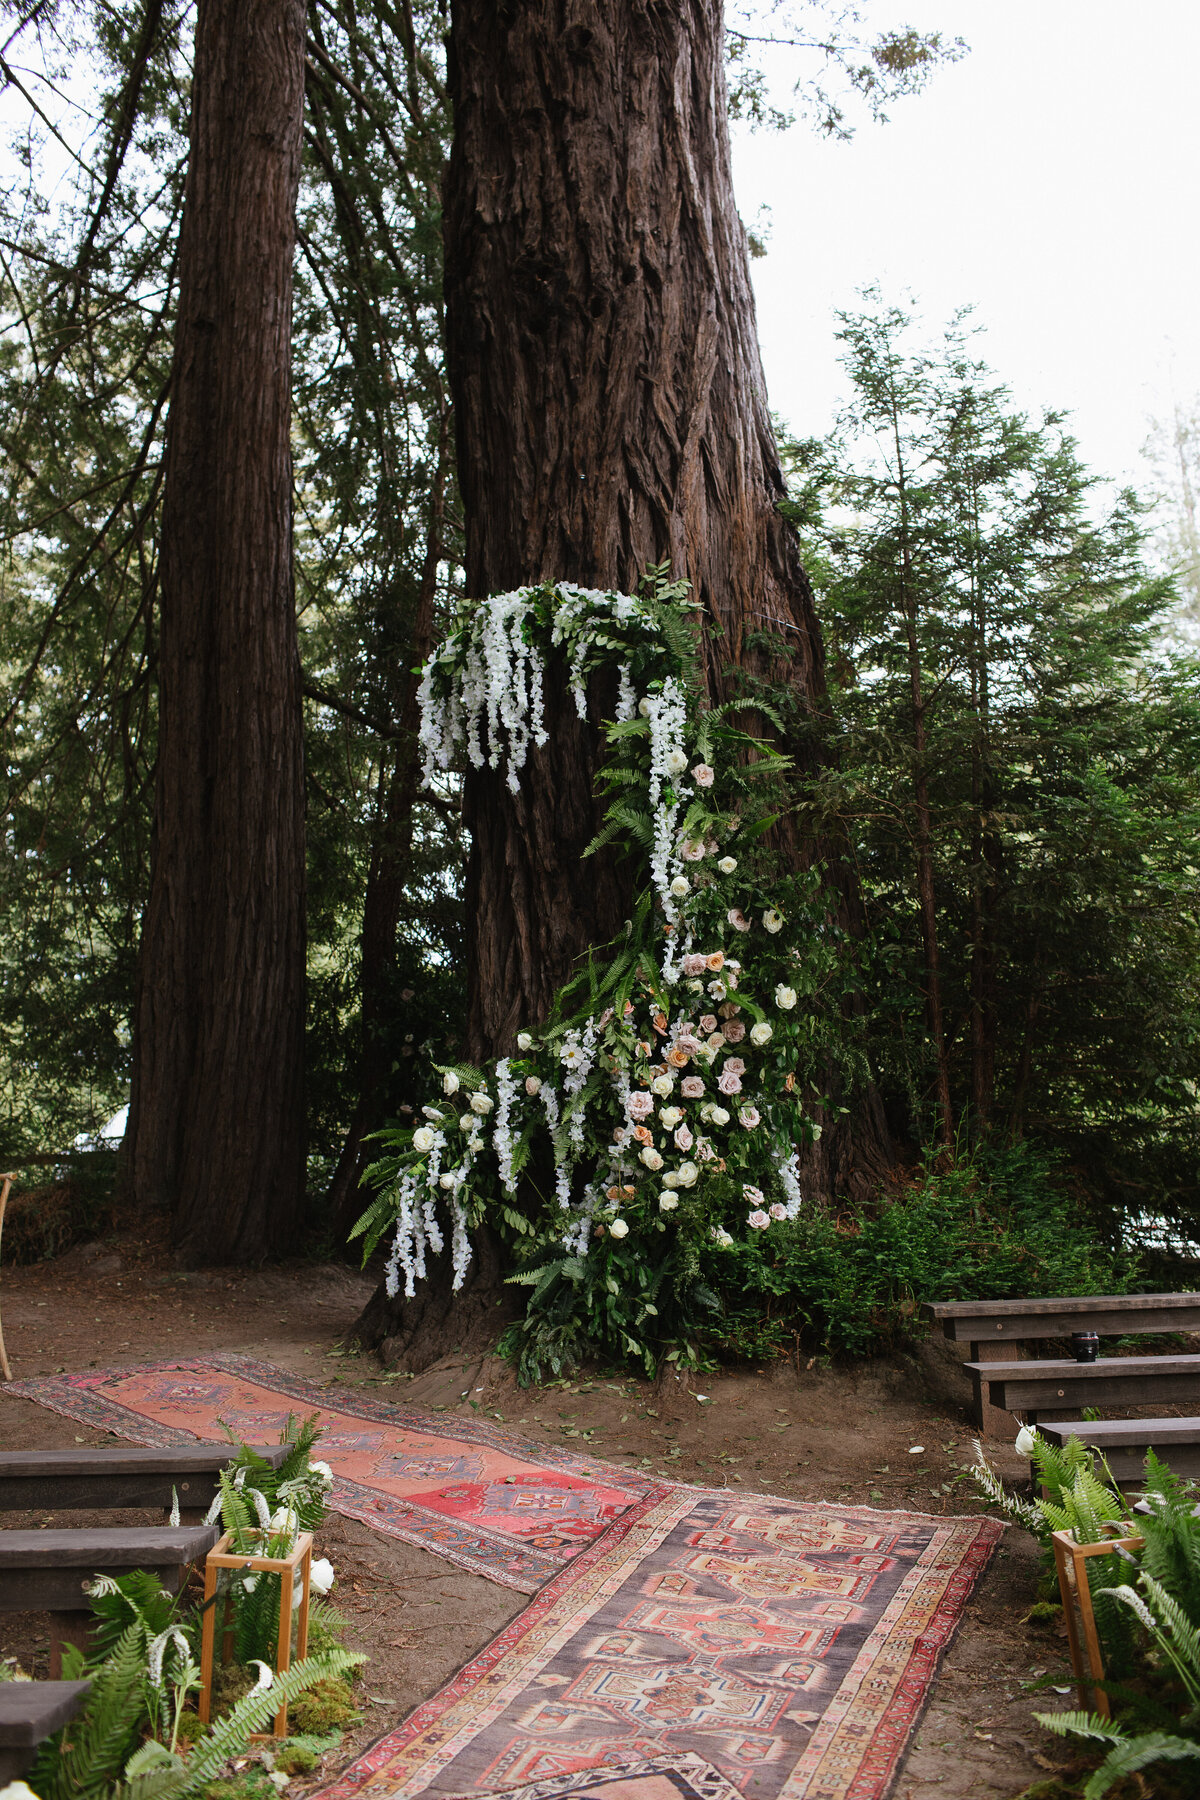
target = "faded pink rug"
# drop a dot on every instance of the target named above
(468, 1490)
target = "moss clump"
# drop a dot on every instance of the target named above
(295, 1759)
(327, 1706)
(1044, 1613)
(251, 1784)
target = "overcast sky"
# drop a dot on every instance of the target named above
(1048, 179)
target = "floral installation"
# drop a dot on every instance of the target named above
(666, 1096)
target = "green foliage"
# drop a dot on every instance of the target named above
(996, 1225)
(326, 1705)
(1008, 725)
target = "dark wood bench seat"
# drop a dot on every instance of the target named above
(91, 1480)
(1124, 1442)
(1062, 1386)
(45, 1571)
(1112, 1315)
(30, 1712)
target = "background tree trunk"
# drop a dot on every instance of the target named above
(216, 1123)
(611, 412)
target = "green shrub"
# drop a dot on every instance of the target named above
(996, 1225)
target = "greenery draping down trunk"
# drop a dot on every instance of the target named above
(217, 1123)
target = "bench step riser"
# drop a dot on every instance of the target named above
(99, 1493)
(62, 1590)
(1040, 1325)
(1059, 1395)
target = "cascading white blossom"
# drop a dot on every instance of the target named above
(502, 1142)
(789, 1181)
(626, 696)
(666, 714)
(404, 1243)
(484, 687)
(578, 1057)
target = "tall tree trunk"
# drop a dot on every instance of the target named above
(216, 1122)
(611, 412)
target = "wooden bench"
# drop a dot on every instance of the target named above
(45, 1571)
(992, 1327)
(91, 1480)
(1062, 1387)
(1124, 1442)
(30, 1711)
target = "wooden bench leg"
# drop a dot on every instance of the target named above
(992, 1421)
(68, 1628)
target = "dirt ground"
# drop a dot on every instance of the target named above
(891, 1434)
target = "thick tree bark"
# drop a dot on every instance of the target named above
(216, 1125)
(611, 412)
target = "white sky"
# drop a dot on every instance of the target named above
(1049, 180)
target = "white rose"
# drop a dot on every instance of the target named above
(668, 1202)
(446, 1181)
(761, 1033)
(670, 1116)
(670, 1179)
(727, 865)
(719, 1115)
(482, 1103)
(676, 762)
(687, 1174)
(323, 1471)
(662, 1085)
(681, 887)
(533, 1086)
(651, 1158)
(695, 987)
(722, 1238)
(450, 1082)
(284, 1519)
(423, 1139)
(468, 1122)
(785, 998)
(524, 1041)
(1026, 1441)
(618, 1229)
(645, 708)
(772, 920)
(433, 1112)
(321, 1576)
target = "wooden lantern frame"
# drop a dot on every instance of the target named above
(222, 1557)
(1070, 1560)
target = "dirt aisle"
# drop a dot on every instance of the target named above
(872, 1436)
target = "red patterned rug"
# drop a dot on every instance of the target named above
(478, 1495)
(708, 1647)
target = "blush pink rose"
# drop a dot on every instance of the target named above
(758, 1220)
(639, 1106)
(683, 1138)
(738, 919)
(708, 1023)
(750, 1117)
(694, 964)
(734, 1031)
(778, 1211)
(729, 1084)
(691, 1087)
(734, 1065)
(702, 775)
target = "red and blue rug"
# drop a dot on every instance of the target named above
(470, 1491)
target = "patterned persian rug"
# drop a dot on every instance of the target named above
(480, 1496)
(709, 1646)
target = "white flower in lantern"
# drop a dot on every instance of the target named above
(321, 1576)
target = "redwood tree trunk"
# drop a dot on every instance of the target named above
(611, 412)
(216, 1124)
